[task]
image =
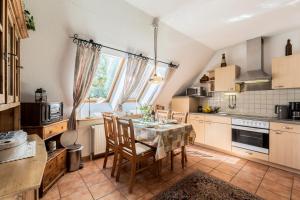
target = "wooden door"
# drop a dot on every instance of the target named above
(294, 72)
(284, 148)
(17, 77)
(225, 78)
(2, 50)
(218, 135)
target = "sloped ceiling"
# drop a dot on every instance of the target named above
(221, 23)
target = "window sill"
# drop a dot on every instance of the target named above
(89, 122)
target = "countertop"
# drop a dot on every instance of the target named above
(26, 174)
(262, 118)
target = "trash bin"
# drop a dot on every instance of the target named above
(74, 157)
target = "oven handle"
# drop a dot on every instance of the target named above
(265, 131)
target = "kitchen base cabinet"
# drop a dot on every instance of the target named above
(218, 135)
(285, 148)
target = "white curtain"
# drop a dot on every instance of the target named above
(135, 68)
(87, 60)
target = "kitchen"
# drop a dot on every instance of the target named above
(252, 114)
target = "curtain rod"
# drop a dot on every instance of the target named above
(77, 39)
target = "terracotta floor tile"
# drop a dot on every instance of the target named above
(227, 169)
(295, 194)
(102, 189)
(89, 168)
(116, 195)
(221, 175)
(82, 194)
(276, 188)
(265, 194)
(67, 188)
(255, 169)
(203, 168)
(279, 178)
(157, 188)
(296, 184)
(94, 178)
(246, 181)
(210, 162)
(69, 178)
(52, 194)
(137, 192)
(235, 162)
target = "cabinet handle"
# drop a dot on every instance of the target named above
(279, 86)
(250, 153)
(278, 132)
(62, 127)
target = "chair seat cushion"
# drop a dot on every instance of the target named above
(141, 148)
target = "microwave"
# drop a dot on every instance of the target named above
(37, 114)
(196, 91)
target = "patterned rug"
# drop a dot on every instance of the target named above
(200, 186)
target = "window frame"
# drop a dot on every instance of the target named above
(114, 82)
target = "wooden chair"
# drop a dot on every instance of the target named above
(181, 117)
(162, 114)
(131, 150)
(111, 139)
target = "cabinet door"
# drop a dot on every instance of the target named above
(225, 78)
(284, 148)
(10, 62)
(285, 72)
(218, 135)
(198, 127)
(2, 50)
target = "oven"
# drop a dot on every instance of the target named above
(251, 135)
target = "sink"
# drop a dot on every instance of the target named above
(224, 114)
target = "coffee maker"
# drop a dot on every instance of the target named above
(294, 110)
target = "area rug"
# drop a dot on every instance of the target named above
(200, 186)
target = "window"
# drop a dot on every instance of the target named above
(151, 90)
(105, 77)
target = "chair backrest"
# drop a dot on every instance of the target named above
(126, 136)
(162, 114)
(110, 128)
(181, 117)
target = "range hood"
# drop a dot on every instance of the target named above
(255, 72)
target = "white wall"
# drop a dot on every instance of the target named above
(274, 46)
(48, 55)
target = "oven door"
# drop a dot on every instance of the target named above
(254, 139)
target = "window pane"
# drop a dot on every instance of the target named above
(152, 90)
(105, 76)
(145, 78)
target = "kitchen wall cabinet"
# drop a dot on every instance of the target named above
(185, 104)
(284, 145)
(225, 78)
(285, 72)
(218, 133)
(197, 122)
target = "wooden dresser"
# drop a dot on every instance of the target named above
(56, 163)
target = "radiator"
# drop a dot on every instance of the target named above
(98, 143)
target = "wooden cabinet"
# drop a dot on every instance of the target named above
(284, 145)
(218, 132)
(185, 104)
(285, 72)
(55, 168)
(12, 30)
(197, 122)
(56, 164)
(225, 78)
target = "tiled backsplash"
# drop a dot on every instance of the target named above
(260, 103)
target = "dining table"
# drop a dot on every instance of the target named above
(165, 136)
